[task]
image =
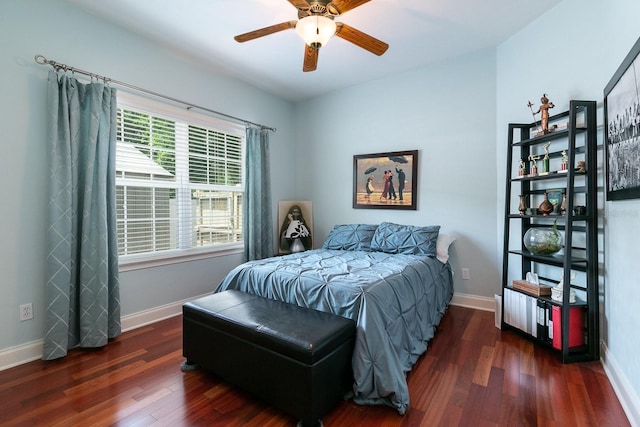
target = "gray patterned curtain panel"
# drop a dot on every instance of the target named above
(83, 301)
(258, 225)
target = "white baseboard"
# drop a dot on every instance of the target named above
(146, 317)
(31, 351)
(626, 394)
(24, 353)
(474, 301)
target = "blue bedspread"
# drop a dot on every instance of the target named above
(396, 301)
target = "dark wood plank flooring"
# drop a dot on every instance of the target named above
(472, 375)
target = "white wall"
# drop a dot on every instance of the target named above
(447, 112)
(571, 53)
(63, 33)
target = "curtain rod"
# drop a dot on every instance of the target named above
(57, 66)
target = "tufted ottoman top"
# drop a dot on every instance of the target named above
(301, 333)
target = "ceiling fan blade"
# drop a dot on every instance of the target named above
(361, 39)
(338, 7)
(310, 58)
(265, 31)
(300, 4)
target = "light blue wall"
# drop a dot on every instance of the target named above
(447, 112)
(65, 34)
(571, 53)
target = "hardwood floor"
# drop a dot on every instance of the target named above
(472, 375)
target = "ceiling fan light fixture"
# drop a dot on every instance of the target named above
(316, 30)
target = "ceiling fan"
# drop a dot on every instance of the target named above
(316, 26)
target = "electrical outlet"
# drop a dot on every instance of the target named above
(26, 312)
(465, 274)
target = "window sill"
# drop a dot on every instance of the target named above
(138, 262)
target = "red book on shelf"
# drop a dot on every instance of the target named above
(576, 326)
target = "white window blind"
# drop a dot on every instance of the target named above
(179, 181)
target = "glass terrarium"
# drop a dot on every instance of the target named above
(543, 240)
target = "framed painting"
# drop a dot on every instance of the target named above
(385, 180)
(622, 136)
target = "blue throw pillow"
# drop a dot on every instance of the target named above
(350, 237)
(405, 239)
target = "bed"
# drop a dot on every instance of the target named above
(393, 280)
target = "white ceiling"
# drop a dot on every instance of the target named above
(419, 33)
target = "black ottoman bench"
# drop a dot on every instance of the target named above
(294, 358)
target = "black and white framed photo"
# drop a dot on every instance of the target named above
(385, 180)
(296, 226)
(622, 132)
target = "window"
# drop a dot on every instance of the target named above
(179, 181)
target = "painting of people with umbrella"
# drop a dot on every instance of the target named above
(385, 180)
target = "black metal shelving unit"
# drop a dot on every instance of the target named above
(580, 252)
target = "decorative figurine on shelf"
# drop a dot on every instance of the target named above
(522, 207)
(563, 205)
(522, 171)
(533, 171)
(545, 160)
(544, 113)
(545, 207)
(582, 167)
(565, 162)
